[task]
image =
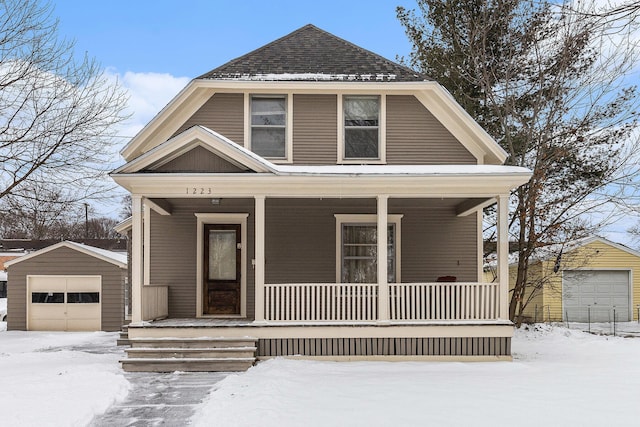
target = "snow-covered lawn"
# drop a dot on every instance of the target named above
(58, 378)
(559, 377)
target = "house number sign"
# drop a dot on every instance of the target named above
(199, 190)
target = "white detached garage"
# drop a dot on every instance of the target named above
(67, 287)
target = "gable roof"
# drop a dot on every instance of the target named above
(117, 259)
(310, 53)
(199, 136)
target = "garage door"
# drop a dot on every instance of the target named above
(64, 303)
(599, 292)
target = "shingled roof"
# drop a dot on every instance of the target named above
(312, 54)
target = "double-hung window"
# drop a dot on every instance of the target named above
(361, 127)
(269, 126)
(357, 248)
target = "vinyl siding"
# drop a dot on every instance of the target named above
(198, 159)
(415, 136)
(315, 129)
(223, 113)
(173, 251)
(300, 241)
(67, 262)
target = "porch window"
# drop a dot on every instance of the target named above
(269, 126)
(360, 252)
(361, 127)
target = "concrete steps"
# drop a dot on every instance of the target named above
(190, 354)
(123, 339)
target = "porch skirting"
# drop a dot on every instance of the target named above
(479, 341)
(386, 348)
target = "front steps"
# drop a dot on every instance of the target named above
(190, 354)
(123, 338)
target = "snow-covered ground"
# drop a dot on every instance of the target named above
(559, 376)
(58, 378)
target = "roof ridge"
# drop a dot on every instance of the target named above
(310, 50)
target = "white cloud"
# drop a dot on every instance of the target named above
(148, 94)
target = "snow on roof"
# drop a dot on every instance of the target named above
(399, 170)
(315, 77)
(116, 258)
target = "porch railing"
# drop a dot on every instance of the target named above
(443, 301)
(353, 302)
(321, 302)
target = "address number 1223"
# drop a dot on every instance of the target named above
(199, 190)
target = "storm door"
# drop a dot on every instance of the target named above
(222, 262)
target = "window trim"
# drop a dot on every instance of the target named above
(382, 132)
(368, 219)
(288, 139)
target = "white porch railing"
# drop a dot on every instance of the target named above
(354, 302)
(443, 301)
(155, 302)
(321, 302)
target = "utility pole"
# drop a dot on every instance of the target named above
(86, 220)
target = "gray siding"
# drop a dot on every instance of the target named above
(435, 242)
(300, 243)
(415, 136)
(477, 346)
(301, 247)
(315, 129)
(223, 113)
(199, 159)
(173, 251)
(66, 262)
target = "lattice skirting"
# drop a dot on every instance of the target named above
(477, 346)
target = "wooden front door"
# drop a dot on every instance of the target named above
(222, 262)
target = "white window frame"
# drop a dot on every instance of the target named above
(382, 132)
(221, 218)
(367, 219)
(288, 140)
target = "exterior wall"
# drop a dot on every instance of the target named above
(67, 262)
(173, 251)
(199, 159)
(223, 113)
(415, 136)
(596, 255)
(300, 239)
(300, 243)
(315, 129)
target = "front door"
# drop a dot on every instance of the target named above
(222, 261)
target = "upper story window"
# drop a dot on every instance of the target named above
(361, 127)
(269, 126)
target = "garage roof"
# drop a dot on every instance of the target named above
(115, 258)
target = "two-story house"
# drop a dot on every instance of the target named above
(313, 198)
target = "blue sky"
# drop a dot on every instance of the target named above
(189, 37)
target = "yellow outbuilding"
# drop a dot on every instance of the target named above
(591, 279)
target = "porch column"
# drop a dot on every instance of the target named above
(146, 245)
(503, 255)
(259, 257)
(383, 286)
(136, 258)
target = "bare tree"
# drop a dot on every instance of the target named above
(58, 115)
(549, 85)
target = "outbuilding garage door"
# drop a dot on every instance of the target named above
(600, 292)
(64, 303)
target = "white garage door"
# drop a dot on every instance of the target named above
(596, 293)
(64, 303)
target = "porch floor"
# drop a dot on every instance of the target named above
(248, 323)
